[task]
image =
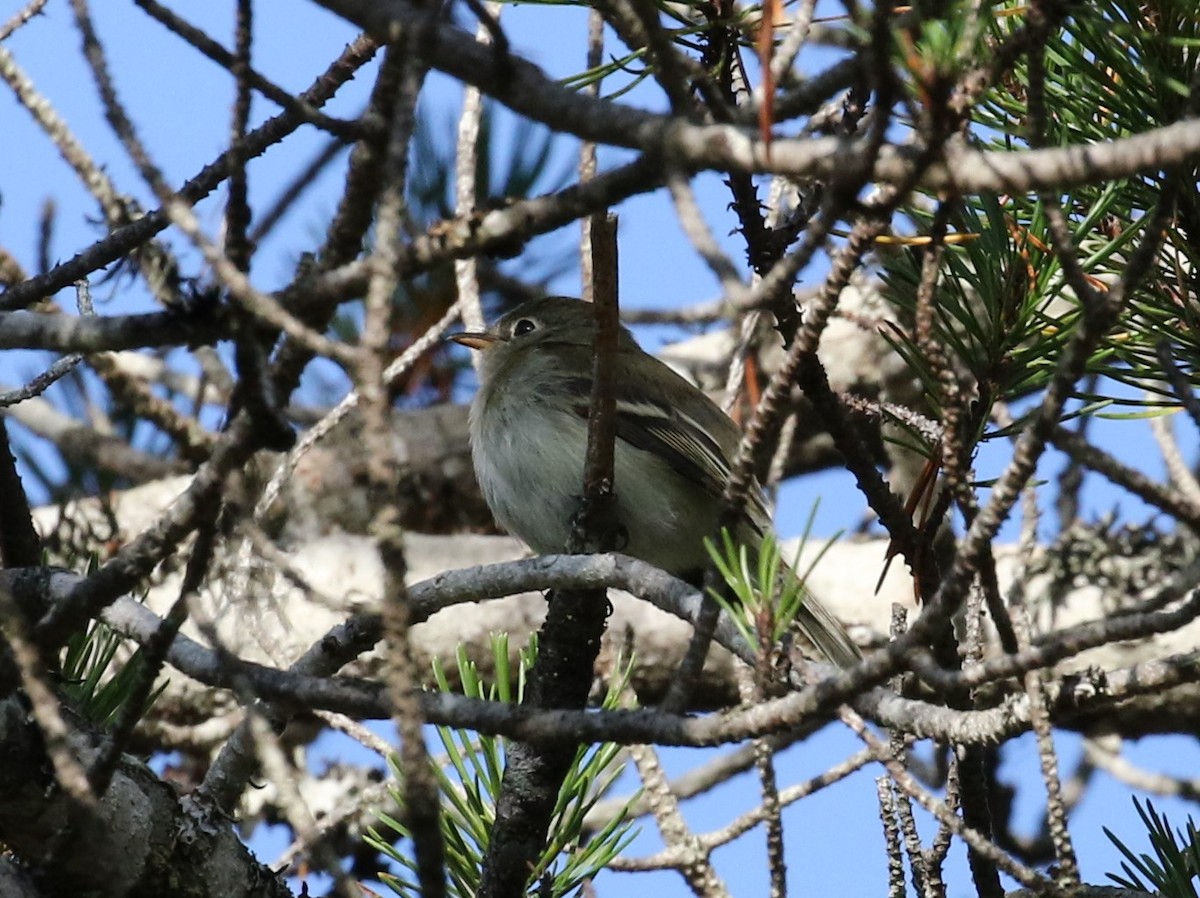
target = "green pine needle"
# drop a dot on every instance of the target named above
(766, 593)
(469, 778)
(1176, 863)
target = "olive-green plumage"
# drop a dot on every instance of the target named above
(672, 454)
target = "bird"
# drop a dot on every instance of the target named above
(673, 451)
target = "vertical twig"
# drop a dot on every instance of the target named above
(252, 343)
(1066, 873)
(419, 787)
(899, 805)
(598, 486)
(935, 855)
(237, 207)
(752, 685)
(587, 154)
(891, 838)
(466, 170)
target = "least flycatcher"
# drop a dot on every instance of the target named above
(672, 455)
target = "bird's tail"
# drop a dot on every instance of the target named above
(825, 633)
(813, 621)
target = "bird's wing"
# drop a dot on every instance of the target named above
(698, 446)
(690, 449)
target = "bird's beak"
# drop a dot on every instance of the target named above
(474, 340)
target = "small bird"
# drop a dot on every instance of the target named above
(672, 455)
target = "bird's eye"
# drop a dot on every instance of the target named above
(524, 326)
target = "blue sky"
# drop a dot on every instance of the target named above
(835, 840)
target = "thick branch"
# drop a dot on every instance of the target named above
(526, 89)
(140, 842)
(64, 333)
